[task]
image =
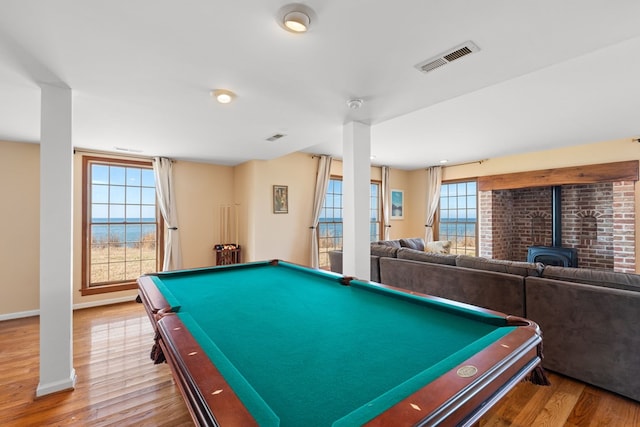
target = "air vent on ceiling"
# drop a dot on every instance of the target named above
(449, 56)
(275, 137)
(128, 150)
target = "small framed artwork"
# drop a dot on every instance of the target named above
(397, 204)
(280, 199)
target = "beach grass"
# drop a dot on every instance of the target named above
(113, 260)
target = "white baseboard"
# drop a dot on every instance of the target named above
(56, 386)
(19, 315)
(104, 302)
(30, 313)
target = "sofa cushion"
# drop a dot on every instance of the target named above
(488, 289)
(438, 247)
(609, 279)
(392, 243)
(416, 243)
(501, 266)
(384, 251)
(436, 258)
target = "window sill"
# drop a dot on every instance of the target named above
(103, 289)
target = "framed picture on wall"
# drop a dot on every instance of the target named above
(397, 204)
(280, 199)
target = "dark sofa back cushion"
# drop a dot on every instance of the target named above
(384, 251)
(500, 266)
(496, 291)
(415, 255)
(416, 243)
(392, 243)
(609, 279)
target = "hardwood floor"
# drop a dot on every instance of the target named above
(119, 385)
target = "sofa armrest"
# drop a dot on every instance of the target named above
(335, 261)
(589, 332)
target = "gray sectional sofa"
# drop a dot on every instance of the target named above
(590, 319)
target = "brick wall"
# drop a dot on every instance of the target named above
(597, 219)
(587, 223)
(624, 220)
(485, 226)
(532, 220)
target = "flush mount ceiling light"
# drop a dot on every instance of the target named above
(354, 104)
(223, 96)
(297, 22)
(295, 17)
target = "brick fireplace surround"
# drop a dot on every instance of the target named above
(597, 219)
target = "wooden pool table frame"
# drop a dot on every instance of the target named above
(451, 399)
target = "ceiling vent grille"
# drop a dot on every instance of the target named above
(275, 137)
(446, 57)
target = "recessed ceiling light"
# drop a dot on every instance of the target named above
(296, 21)
(295, 17)
(443, 161)
(223, 96)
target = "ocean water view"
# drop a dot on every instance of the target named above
(332, 228)
(121, 230)
(132, 230)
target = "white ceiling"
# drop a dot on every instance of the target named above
(549, 73)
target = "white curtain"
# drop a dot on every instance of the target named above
(386, 203)
(322, 180)
(162, 169)
(434, 182)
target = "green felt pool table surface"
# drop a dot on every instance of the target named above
(303, 347)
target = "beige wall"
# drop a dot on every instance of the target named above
(269, 235)
(20, 219)
(602, 152)
(203, 188)
(412, 225)
(244, 177)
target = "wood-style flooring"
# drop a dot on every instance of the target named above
(118, 385)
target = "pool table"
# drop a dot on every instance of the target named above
(273, 343)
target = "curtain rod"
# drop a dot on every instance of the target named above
(460, 164)
(313, 156)
(110, 153)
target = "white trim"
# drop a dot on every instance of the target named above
(19, 315)
(31, 313)
(103, 302)
(56, 386)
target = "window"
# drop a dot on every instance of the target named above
(121, 224)
(374, 231)
(458, 219)
(330, 223)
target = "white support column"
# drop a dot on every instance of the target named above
(356, 191)
(56, 249)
